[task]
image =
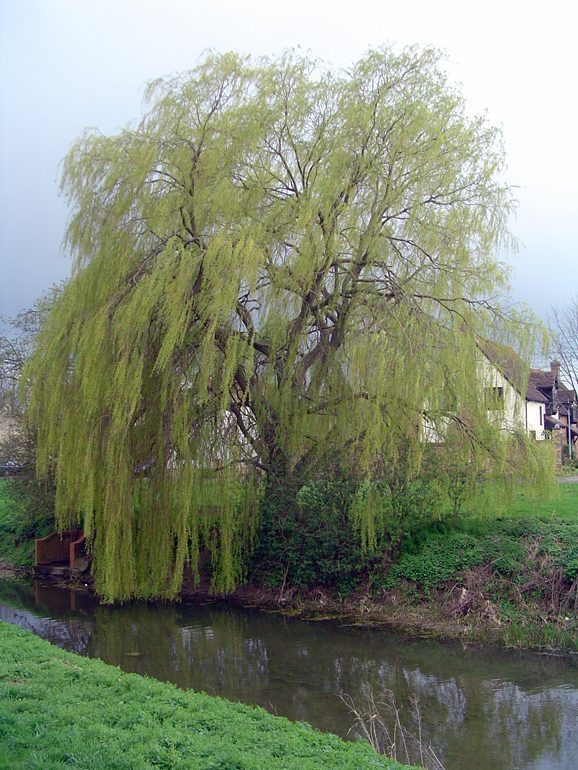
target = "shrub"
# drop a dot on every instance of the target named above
(26, 512)
(506, 555)
(313, 534)
(441, 558)
(306, 537)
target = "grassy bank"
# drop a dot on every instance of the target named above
(59, 709)
(512, 580)
(508, 573)
(563, 504)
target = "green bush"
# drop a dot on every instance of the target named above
(306, 537)
(26, 513)
(310, 535)
(413, 510)
(441, 558)
(560, 543)
(505, 555)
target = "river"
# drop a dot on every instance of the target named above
(481, 707)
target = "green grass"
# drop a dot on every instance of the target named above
(59, 710)
(563, 504)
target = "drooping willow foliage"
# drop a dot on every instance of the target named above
(276, 265)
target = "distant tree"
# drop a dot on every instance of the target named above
(564, 329)
(18, 444)
(16, 343)
(278, 265)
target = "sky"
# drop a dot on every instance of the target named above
(66, 65)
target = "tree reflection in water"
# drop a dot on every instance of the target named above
(482, 708)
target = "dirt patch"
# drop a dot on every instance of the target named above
(9, 572)
(568, 479)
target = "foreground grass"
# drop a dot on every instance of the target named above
(58, 709)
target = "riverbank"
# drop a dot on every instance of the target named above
(425, 617)
(430, 617)
(60, 709)
(510, 580)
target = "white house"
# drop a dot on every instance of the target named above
(517, 404)
(513, 402)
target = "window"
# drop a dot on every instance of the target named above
(448, 401)
(541, 416)
(494, 397)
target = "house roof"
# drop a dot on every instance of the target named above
(551, 423)
(514, 369)
(510, 364)
(539, 383)
(566, 395)
(541, 379)
(542, 382)
(533, 394)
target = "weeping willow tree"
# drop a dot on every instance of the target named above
(277, 265)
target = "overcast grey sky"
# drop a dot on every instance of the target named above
(69, 64)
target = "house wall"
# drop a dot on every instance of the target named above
(509, 410)
(535, 419)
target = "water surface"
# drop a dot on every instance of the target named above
(482, 708)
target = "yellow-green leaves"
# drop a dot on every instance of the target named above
(276, 265)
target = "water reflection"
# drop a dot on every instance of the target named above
(481, 708)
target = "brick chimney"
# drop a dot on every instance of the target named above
(555, 367)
